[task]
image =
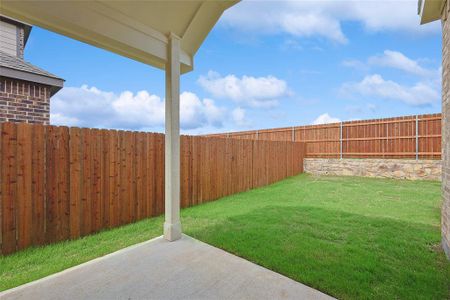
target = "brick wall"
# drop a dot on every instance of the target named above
(23, 101)
(446, 129)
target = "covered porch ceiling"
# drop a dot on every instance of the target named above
(163, 34)
(135, 29)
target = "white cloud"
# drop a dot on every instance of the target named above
(91, 107)
(309, 24)
(325, 119)
(252, 91)
(60, 119)
(238, 115)
(324, 18)
(355, 64)
(398, 60)
(196, 113)
(395, 60)
(421, 93)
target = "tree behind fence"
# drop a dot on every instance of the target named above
(401, 137)
(59, 183)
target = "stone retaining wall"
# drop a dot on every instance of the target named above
(381, 168)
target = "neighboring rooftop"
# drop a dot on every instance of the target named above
(13, 38)
(17, 68)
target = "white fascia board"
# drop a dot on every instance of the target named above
(430, 10)
(96, 24)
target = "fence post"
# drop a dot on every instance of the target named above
(228, 135)
(417, 137)
(340, 140)
(387, 140)
(293, 134)
(257, 134)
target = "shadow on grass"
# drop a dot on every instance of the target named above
(345, 255)
(37, 262)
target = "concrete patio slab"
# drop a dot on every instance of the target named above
(157, 269)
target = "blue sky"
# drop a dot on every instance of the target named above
(265, 64)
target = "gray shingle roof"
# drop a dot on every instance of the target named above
(12, 62)
(13, 67)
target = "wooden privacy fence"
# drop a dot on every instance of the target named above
(59, 183)
(416, 137)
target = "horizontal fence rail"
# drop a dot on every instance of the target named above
(416, 137)
(60, 183)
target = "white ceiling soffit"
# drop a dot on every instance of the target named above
(430, 10)
(135, 29)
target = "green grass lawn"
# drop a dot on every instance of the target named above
(348, 237)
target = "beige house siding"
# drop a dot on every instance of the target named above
(8, 38)
(446, 129)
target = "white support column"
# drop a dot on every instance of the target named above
(172, 225)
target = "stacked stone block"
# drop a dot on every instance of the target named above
(378, 168)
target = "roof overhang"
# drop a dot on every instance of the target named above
(430, 10)
(135, 29)
(55, 84)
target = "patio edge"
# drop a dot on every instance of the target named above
(70, 269)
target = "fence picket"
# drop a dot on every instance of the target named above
(24, 186)
(59, 183)
(380, 138)
(38, 184)
(8, 186)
